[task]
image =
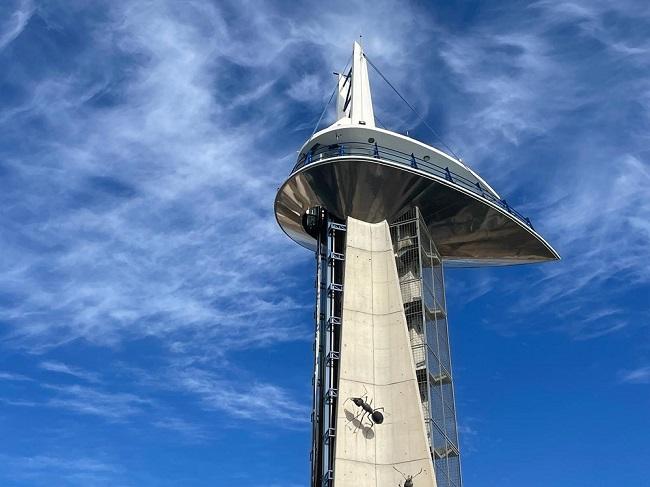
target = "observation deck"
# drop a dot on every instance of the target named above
(372, 174)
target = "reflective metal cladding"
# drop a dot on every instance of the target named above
(467, 220)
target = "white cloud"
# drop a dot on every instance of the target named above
(190, 431)
(62, 368)
(112, 406)
(255, 401)
(592, 19)
(586, 192)
(63, 469)
(637, 376)
(10, 376)
(42, 462)
(307, 89)
(12, 27)
(192, 226)
(514, 87)
(154, 186)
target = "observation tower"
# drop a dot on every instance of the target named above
(383, 213)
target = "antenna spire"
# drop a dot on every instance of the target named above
(354, 102)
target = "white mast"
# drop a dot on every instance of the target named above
(354, 102)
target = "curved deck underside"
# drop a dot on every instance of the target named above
(467, 229)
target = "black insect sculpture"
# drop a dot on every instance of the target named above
(373, 414)
(408, 479)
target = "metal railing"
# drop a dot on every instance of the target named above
(374, 151)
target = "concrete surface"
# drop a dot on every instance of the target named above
(376, 361)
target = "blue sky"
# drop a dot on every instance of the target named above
(155, 323)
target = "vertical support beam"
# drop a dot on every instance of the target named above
(329, 297)
(344, 95)
(319, 319)
(454, 471)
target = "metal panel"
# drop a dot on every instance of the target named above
(467, 228)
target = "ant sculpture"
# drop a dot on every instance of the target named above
(408, 479)
(374, 416)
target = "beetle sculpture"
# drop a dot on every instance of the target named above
(408, 479)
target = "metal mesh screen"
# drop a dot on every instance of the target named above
(423, 293)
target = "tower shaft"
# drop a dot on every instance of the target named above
(381, 336)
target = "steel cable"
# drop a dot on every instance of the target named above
(329, 101)
(420, 117)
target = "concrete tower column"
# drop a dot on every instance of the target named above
(377, 366)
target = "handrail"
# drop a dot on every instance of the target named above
(375, 151)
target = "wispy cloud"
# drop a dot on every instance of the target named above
(138, 170)
(112, 406)
(469, 436)
(585, 191)
(513, 101)
(190, 431)
(636, 376)
(11, 27)
(10, 376)
(592, 19)
(62, 368)
(147, 237)
(142, 187)
(20, 403)
(46, 462)
(71, 470)
(254, 401)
